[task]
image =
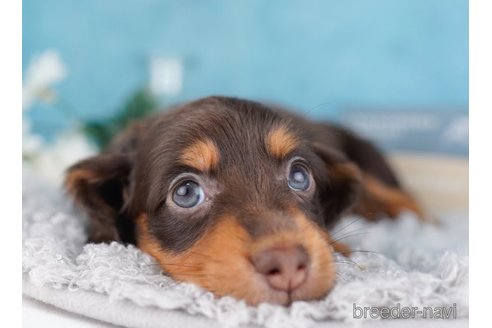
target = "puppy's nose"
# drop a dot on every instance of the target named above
(284, 268)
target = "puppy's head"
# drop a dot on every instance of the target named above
(227, 194)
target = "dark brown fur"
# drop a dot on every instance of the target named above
(239, 149)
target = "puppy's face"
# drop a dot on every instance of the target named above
(236, 198)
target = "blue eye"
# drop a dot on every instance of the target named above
(299, 178)
(188, 194)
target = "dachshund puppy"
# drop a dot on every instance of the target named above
(236, 196)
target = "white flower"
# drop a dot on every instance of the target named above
(44, 70)
(53, 159)
(48, 160)
(31, 143)
(166, 76)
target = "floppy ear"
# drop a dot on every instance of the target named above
(343, 186)
(100, 186)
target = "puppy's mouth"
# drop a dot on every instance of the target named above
(287, 296)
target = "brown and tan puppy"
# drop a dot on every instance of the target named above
(235, 196)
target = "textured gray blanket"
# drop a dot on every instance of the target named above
(409, 264)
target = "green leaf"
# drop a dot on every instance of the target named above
(139, 105)
(100, 133)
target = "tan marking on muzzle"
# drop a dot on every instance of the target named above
(220, 260)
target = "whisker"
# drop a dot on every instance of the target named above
(360, 251)
(345, 262)
(349, 235)
(355, 230)
(339, 275)
(334, 233)
(308, 111)
(350, 261)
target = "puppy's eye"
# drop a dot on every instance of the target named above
(188, 194)
(299, 178)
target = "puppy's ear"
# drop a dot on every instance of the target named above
(100, 186)
(343, 186)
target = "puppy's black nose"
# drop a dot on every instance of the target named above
(284, 268)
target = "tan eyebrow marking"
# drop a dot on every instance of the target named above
(202, 155)
(281, 142)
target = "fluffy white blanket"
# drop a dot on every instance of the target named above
(401, 262)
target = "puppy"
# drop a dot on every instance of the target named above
(236, 196)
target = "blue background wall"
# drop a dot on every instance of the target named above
(407, 54)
